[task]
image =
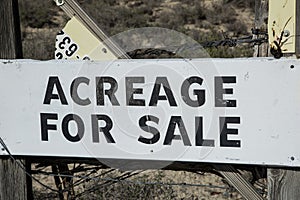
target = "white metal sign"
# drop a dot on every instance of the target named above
(244, 111)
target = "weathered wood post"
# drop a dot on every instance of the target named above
(10, 37)
(13, 180)
(261, 22)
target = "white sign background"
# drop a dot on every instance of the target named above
(267, 92)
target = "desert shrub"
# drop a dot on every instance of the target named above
(39, 44)
(238, 28)
(180, 14)
(230, 52)
(125, 190)
(115, 16)
(37, 14)
(221, 14)
(242, 3)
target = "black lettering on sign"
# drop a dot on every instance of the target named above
(162, 81)
(200, 94)
(199, 134)
(225, 131)
(71, 50)
(61, 32)
(105, 130)
(59, 55)
(45, 127)
(177, 120)
(100, 91)
(65, 127)
(64, 42)
(149, 129)
(130, 91)
(54, 81)
(220, 91)
(74, 91)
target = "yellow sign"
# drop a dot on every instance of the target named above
(75, 41)
(282, 25)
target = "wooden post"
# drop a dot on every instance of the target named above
(297, 29)
(10, 37)
(12, 178)
(283, 184)
(261, 23)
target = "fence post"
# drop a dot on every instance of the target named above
(13, 180)
(261, 22)
(283, 184)
(297, 48)
(10, 37)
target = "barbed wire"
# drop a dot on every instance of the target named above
(123, 178)
(23, 167)
(257, 37)
(135, 181)
(163, 184)
(232, 42)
